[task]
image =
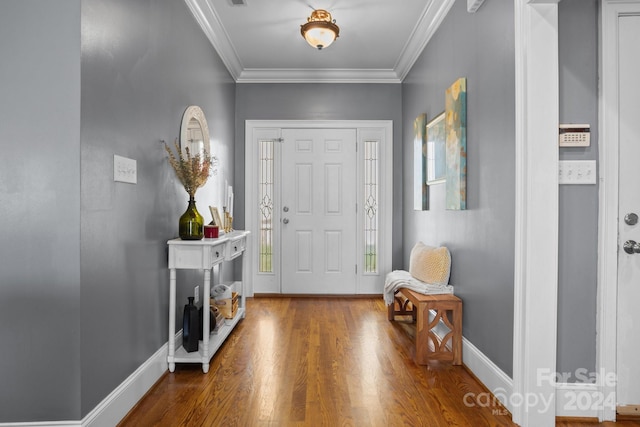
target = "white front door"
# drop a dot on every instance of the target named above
(318, 202)
(628, 336)
(318, 211)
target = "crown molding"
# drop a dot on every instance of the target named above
(427, 25)
(215, 32)
(312, 75)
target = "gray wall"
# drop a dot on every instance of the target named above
(481, 239)
(480, 47)
(323, 101)
(578, 243)
(143, 63)
(84, 281)
(40, 210)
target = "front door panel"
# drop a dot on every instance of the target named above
(318, 211)
(628, 386)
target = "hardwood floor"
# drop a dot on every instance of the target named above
(318, 362)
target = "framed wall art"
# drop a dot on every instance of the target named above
(420, 196)
(456, 145)
(436, 151)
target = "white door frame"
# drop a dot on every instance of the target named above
(536, 233)
(382, 129)
(608, 149)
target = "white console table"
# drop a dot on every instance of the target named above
(204, 255)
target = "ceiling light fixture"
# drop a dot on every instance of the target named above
(320, 30)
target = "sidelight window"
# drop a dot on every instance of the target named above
(371, 197)
(265, 205)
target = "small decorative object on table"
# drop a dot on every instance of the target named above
(211, 231)
(193, 172)
(228, 220)
(228, 210)
(216, 220)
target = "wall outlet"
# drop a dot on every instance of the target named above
(196, 294)
(125, 170)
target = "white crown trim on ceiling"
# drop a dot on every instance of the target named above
(427, 25)
(283, 75)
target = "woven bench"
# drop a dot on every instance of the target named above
(448, 308)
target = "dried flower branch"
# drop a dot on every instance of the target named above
(191, 170)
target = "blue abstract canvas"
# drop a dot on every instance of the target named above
(456, 143)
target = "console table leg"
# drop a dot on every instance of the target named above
(205, 320)
(172, 319)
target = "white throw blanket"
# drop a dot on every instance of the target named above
(402, 279)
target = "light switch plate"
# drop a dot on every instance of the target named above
(124, 170)
(577, 172)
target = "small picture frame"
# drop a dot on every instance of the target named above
(216, 217)
(436, 151)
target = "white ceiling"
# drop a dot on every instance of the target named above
(379, 41)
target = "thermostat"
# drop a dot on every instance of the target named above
(575, 135)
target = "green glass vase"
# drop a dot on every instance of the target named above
(191, 226)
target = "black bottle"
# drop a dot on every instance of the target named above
(190, 327)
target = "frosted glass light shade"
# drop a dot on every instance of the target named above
(320, 31)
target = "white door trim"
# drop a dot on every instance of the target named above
(365, 128)
(608, 149)
(536, 234)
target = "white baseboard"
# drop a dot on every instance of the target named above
(44, 424)
(582, 400)
(489, 374)
(493, 378)
(119, 402)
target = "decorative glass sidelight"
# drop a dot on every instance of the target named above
(265, 204)
(371, 197)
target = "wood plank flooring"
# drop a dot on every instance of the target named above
(318, 362)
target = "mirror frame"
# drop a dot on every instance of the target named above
(196, 113)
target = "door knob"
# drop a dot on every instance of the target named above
(286, 209)
(285, 221)
(631, 246)
(631, 219)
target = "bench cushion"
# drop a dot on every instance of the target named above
(429, 264)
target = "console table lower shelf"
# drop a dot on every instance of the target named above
(205, 350)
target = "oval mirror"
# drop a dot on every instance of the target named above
(194, 132)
